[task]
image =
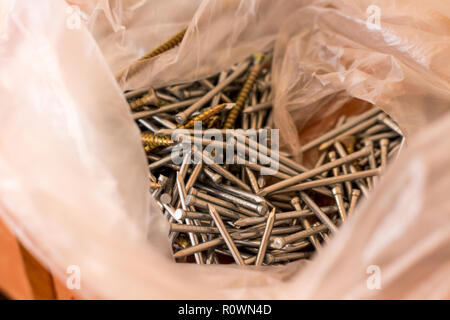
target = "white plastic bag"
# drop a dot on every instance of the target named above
(73, 175)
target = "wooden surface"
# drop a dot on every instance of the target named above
(22, 276)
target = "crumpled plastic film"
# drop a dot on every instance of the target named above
(73, 172)
(126, 30)
(221, 33)
(395, 246)
(74, 180)
(390, 53)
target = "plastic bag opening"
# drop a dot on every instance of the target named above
(76, 205)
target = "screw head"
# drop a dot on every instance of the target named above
(262, 209)
(179, 214)
(165, 198)
(193, 192)
(180, 118)
(295, 200)
(278, 243)
(384, 142)
(190, 199)
(337, 190)
(268, 259)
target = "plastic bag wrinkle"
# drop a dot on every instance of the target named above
(75, 190)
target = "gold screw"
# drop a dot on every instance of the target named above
(182, 241)
(243, 94)
(154, 185)
(152, 141)
(172, 42)
(349, 143)
(213, 122)
(203, 116)
(167, 45)
(146, 99)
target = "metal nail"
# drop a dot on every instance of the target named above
(225, 235)
(319, 213)
(265, 238)
(181, 117)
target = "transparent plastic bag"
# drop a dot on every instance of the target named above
(73, 175)
(221, 33)
(389, 53)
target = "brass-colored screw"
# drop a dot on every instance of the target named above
(182, 241)
(154, 185)
(203, 116)
(167, 45)
(213, 121)
(349, 143)
(152, 141)
(172, 42)
(243, 94)
(146, 99)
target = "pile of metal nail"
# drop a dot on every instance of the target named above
(220, 213)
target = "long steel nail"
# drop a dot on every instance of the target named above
(319, 213)
(252, 179)
(166, 108)
(191, 200)
(384, 143)
(354, 200)
(287, 257)
(225, 235)
(391, 124)
(313, 172)
(337, 192)
(280, 242)
(337, 131)
(261, 209)
(342, 153)
(220, 202)
(182, 195)
(224, 173)
(181, 117)
(360, 127)
(313, 239)
(372, 162)
(265, 238)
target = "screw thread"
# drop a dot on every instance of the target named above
(203, 116)
(146, 99)
(154, 185)
(152, 141)
(167, 45)
(182, 241)
(213, 121)
(243, 94)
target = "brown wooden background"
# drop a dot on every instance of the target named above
(22, 276)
